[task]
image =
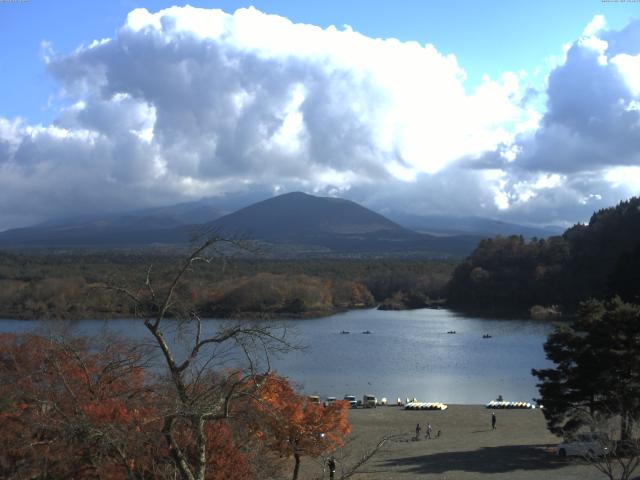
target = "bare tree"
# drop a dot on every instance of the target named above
(355, 454)
(621, 463)
(615, 454)
(211, 373)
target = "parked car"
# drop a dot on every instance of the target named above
(352, 400)
(314, 399)
(589, 444)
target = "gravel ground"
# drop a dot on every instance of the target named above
(519, 448)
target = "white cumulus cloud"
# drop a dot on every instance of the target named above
(187, 102)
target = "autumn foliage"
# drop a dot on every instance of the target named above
(70, 413)
(296, 426)
(70, 409)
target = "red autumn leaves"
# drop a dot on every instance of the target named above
(69, 409)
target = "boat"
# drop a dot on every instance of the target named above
(426, 406)
(509, 405)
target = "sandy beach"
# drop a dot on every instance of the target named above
(520, 448)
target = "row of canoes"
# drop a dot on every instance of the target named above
(425, 406)
(498, 404)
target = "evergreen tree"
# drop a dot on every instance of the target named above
(597, 370)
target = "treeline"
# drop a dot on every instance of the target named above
(598, 260)
(70, 286)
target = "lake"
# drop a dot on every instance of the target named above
(407, 354)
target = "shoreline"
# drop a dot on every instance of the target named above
(308, 315)
(248, 315)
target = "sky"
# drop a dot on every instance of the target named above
(521, 111)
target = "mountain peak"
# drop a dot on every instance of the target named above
(296, 214)
(297, 195)
(294, 194)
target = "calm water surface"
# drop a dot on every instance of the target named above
(407, 354)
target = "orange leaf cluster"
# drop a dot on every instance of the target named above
(294, 425)
(68, 412)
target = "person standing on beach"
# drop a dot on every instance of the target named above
(418, 431)
(428, 430)
(493, 421)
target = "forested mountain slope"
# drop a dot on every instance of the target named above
(597, 260)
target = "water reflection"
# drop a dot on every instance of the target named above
(406, 353)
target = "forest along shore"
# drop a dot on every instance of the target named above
(74, 285)
(521, 447)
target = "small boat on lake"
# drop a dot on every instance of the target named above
(366, 332)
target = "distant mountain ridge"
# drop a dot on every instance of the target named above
(187, 213)
(458, 225)
(293, 223)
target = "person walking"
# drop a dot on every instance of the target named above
(418, 431)
(493, 421)
(332, 468)
(428, 430)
